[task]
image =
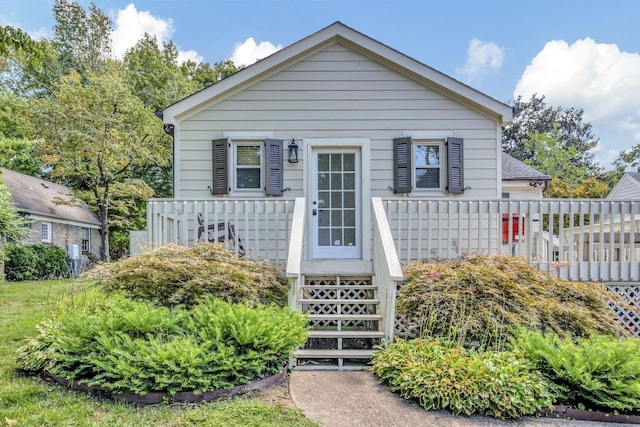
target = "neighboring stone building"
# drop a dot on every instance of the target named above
(55, 219)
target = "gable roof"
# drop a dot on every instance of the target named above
(36, 196)
(514, 170)
(627, 187)
(332, 34)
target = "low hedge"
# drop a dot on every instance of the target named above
(176, 275)
(438, 376)
(128, 346)
(35, 262)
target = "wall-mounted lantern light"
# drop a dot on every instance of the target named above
(293, 151)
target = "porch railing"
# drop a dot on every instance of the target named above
(586, 240)
(294, 260)
(387, 270)
(252, 227)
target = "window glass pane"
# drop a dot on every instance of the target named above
(248, 178)
(324, 238)
(323, 200)
(349, 162)
(349, 181)
(350, 218)
(336, 236)
(323, 162)
(336, 162)
(427, 155)
(336, 181)
(323, 218)
(336, 218)
(323, 181)
(349, 199)
(428, 178)
(349, 236)
(249, 155)
(336, 199)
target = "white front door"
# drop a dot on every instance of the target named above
(336, 203)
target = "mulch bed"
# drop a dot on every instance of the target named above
(154, 398)
(566, 412)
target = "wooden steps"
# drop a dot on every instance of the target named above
(345, 317)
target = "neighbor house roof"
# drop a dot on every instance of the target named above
(634, 175)
(39, 197)
(339, 33)
(628, 187)
(514, 170)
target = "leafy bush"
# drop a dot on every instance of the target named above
(20, 263)
(499, 384)
(476, 301)
(599, 372)
(173, 275)
(35, 262)
(52, 262)
(135, 347)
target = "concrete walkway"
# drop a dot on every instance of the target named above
(355, 398)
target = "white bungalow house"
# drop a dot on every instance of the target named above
(339, 157)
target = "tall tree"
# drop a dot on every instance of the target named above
(95, 133)
(570, 131)
(82, 38)
(12, 226)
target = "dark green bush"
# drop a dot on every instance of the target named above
(129, 346)
(477, 301)
(498, 384)
(598, 372)
(20, 264)
(52, 262)
(35, 262)
(176, 275)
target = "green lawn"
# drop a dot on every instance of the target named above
(30, 402)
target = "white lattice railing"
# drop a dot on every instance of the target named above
(586, 240)
(259, 227)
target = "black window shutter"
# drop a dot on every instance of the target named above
(402, 165)
(274, 167)
(455, 165)
(220, 180)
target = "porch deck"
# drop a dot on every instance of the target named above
(581, 240)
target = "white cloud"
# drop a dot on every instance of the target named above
(130, 26)
(596, 77)
(39, 34)
(482, 57)
(249, 52)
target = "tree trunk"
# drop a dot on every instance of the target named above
(104, 230)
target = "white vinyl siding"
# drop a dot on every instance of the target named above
(340, 93)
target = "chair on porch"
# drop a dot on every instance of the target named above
(221, 232)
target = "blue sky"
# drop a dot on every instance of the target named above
(583, 54)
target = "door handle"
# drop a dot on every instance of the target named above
(315, 212)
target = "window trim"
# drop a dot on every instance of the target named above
(440, 143)
(46, 236)
(234, 143)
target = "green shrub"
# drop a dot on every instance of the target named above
(173, 275)
(130, 346)
(21, 263)
(598, 372)
(36, 262)
(498, 384)
(478, 300)
(52, 262)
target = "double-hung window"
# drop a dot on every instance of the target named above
(248, 166)
(47, 232)
(86, 240)
(427, 161)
